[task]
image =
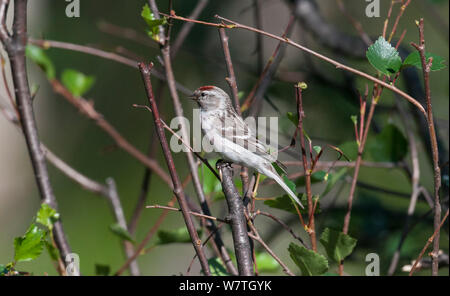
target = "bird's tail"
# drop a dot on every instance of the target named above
(277, 178)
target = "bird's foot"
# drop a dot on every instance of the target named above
(220, 164)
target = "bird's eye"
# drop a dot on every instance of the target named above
(203, 94)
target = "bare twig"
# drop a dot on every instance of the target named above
(306, 168)
(426, 68)
(190, 212)
(178, 190)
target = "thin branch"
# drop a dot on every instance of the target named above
(103, 54)
(233, 24)
(426, 68)
(301, 114)
(178, 190)
(190, 212)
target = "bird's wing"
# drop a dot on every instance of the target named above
(236, 130)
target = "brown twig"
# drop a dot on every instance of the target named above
(190, 212)
(426, 69)
(429, 241)
(178, 190)
(301, 114)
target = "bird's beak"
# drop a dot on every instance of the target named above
(193, 97)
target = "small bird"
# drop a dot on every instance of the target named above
(231, 137)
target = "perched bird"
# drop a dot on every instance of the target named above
(231, 137)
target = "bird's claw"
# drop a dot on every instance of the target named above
(220, 164)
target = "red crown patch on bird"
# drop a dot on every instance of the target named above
(207, 87)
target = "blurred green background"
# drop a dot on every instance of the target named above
(377, 219)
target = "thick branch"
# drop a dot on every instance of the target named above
(238, 222)
(15, 46)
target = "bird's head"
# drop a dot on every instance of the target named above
(211, 98)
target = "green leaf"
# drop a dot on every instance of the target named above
(180, 235)
(29, 246)
(414, 60)
(309, 262)
(152, 23)
(284, 203)
(337, 244)
(279, 170)
(289, 183)
(38, 55)
(384, 57)
(121, 232)
(317, 149)
(389, 145)
(47, 216)
(216, 267)
(102, 269)
(76, 82)
(332, 179)
(350, 149)
(354, 119)
(266, 263)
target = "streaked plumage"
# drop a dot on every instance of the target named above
(231, 137)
